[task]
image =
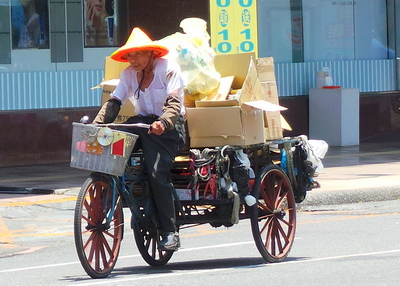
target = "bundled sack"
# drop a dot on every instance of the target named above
(192, 51)
(316, 150)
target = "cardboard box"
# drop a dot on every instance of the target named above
(112, 70)
(232, 125)
(254, 97)
(227, 125)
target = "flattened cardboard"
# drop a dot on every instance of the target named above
(264, 105)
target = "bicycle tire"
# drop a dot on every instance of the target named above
(273, 218)
(97, 241)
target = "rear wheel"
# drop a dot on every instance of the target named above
(147, 242)
(147, 234)
(273, 218)
(98, 226)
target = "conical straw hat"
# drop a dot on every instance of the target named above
(138, 41)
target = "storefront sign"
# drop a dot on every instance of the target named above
(233, 26)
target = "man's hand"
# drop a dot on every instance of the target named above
(157, 128)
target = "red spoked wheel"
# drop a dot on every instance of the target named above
(273, 217)
(98, 226)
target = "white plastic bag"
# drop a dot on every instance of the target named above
(316, 150)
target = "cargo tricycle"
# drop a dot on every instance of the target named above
(219, 186)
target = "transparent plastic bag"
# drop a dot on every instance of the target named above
(191, 50)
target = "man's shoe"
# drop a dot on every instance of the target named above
(170, 242)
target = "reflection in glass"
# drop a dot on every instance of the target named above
(100, 23)
(29, 24)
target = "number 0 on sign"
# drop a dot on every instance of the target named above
(233, 26)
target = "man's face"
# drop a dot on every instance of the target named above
(138, 59)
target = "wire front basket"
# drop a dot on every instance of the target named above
(100, 149)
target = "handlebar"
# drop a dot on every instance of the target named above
(85, 119)
(111, 125)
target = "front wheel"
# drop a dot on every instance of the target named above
(98, 225)
(273, 218)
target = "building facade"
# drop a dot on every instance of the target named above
(52, 55)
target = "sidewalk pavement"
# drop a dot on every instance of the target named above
(351, 174)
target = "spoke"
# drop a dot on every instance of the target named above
(102, 253)
(91, 193)
(285, 222)
(113, 236)
(97, 255)
(269, 235)
(91, 248)
(97, 202)
(88, 220)
(89, 240)
(266, 224)
(277, 237)
(154, 248)
(106, 245)
(264, 196)
(264, 217)
(160, 254)
(264, 206)
(277, 191)
(282, 231)
(281, 198)
(90, 211)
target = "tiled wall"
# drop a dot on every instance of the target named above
(67, 89)
(60, 89)
(366, 75)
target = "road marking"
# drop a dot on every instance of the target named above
(208, 271)
(196, 272)
(29, 250)
(5, 234)
(16, 204)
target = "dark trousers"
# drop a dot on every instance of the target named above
(159, 152)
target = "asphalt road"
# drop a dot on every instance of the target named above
(355, 244)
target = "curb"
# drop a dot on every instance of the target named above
(25, 191)
(351, 196)
(67, 192)
(319, 198)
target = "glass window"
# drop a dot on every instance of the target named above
(30, 24)
(275, 35)
(328, 30)
(101, 23)
(316, 30)
(371, 37)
